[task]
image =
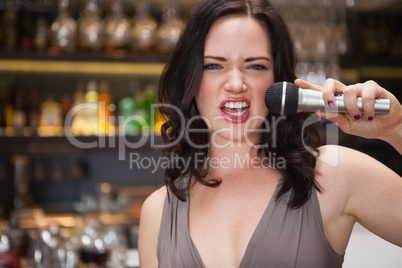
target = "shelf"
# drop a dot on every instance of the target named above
(376, 72)
(155, 68)
(371, 72)
(85, 67)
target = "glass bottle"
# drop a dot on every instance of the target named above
(65, 109)
(117, 28)
(64, 29)
(77, 114)
(105, 101)
(9, 23)
(21, 198)
(9, 108)
(169, 33)
(127, 109)
(50, 122)
(144, 29)
(33, 111)
(149, 98)
(19, 112)
(3, 103)
(91, 98)
(26, 30)
(40, 38)
(91, 27)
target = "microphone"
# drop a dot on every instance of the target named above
(284, 98)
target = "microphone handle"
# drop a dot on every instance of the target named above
(312, 101)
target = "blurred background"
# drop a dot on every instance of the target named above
(72, 181)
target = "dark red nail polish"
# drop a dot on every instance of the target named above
(370, 118)
(357, 117)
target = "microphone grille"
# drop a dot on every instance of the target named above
(292, 99)
(273, 98)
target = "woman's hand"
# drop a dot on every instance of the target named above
(387, 127)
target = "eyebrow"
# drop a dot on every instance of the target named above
(215, 58)
(247, 60)
(258, 58)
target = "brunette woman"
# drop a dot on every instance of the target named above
(254, 194)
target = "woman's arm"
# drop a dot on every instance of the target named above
(386, 127)
(374, 194)
(150, 221)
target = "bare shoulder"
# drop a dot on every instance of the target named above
(154, 202)
(151, 212)
(151, 216)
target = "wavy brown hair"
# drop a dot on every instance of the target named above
(179, 83)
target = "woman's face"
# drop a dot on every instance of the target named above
(238, 69)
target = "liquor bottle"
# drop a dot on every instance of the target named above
(9, 108)
(140, 107)
(3, 104)
(40, 38)
(90, 27)
(117, 29)
(91, 111)
(64, 30)
(144, 28)
(65, 109)
(149, 98)
(9, 23)
(116, 97)
(78, 117)
(169, 33)
(50, 122)
(19, 112)
(22, 198)
(33, 111)
(127, 108)
(105, 112)
(26, 30)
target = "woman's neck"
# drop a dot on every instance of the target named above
(233, 156)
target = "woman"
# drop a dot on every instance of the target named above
(252, 195)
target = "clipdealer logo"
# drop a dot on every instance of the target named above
(155, 164)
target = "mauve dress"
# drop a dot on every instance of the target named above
(283, 238)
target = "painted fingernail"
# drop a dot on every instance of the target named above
(331, 104)
(370, 118)
(357, 117)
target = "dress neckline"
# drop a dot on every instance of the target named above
(266, 212)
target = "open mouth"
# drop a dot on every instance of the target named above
(235, 108)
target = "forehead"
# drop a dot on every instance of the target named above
(240, 32)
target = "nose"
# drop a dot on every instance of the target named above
(235, 82)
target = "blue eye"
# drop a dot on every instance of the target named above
(212, 66)
(258, 67)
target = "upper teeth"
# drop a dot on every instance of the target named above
(235, 105)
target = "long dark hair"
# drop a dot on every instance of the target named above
(179, 83)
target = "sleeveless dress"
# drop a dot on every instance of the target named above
(283, 238)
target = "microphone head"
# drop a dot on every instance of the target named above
(282, 98)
